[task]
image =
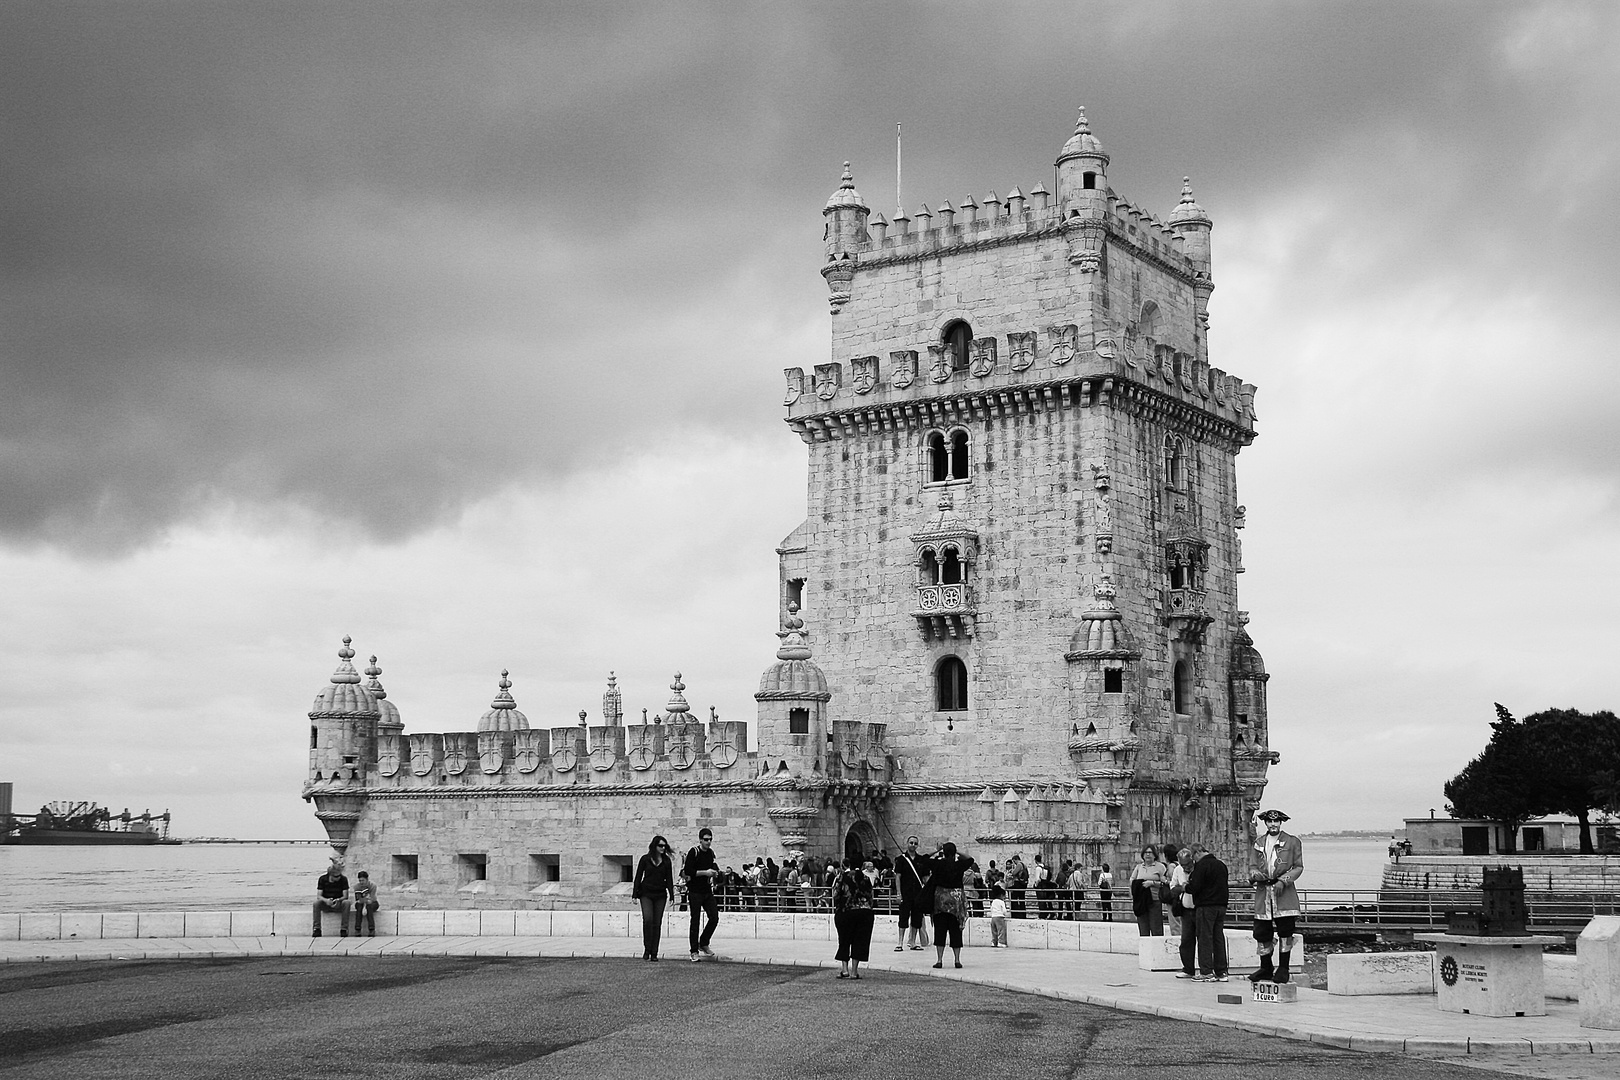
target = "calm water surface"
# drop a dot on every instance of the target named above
(211, 877)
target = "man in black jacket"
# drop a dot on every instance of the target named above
(1207, 895)
(912, 873)
(700, 871)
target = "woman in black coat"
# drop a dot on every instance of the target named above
(852, 915)
(654, 886)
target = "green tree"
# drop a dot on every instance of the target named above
(1574, 757)
(1556, 761)
(1496, 785)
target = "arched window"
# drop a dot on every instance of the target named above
(950, 685)
(955, 339)
(1183, 693)
(950, 571)
(959, 455)
(947, 456)
(1174, 467)
(929, 567)
(939, 460)
(1147, 323)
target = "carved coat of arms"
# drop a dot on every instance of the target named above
(1065, 340)
(903, 365)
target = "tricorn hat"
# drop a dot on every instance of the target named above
(1272, 815)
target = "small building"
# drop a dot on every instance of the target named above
(1479, 836)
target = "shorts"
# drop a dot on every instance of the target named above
(947, 931)
(1284, 925)
(912, 910)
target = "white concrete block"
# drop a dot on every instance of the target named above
(81, 925)
(1059, 935)
(288, 922)
(1158, 953)
(40, 926)
(570, 924)
(161, 924)
(1597, 952)
(1026, 934)
(530, 923)
(462, 923)
(496, 923)
(768, 925)
(421, 923)
(119, 925)
(10, 926)
(614, 924)
(253, 923)
(817, 927)
(1093, 937)
(1355, 974)
(207, 924)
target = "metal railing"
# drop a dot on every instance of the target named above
(1320, 909)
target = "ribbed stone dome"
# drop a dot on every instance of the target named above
(1188, 211)
(503, 712)
(1102, 631)
(344, 694)
(1246, 660)
(1082, 143)
(846, 195)
(794, 674)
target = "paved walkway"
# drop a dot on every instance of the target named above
(1410, 1024)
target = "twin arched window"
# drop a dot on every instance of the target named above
(947, 457)
(942, 568)
(950, 685)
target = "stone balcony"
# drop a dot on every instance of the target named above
(945, 611)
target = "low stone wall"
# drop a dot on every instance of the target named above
(1580, 874)
(1107, 937)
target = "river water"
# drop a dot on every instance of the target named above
(212, 877)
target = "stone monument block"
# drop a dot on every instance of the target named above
(1158, 953)
(1490, 976)
(1597, 951)
(1354, 974)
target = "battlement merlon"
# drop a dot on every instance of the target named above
(1027, 371)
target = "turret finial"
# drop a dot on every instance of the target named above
(373, 684)
(795, 644)
(677, 701)
(503, 699)
(345, 672)
(1081, 127)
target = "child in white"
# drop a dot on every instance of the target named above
(998, 917)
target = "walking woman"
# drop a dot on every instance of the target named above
(950, 906)
(654, 886)
(852, 915)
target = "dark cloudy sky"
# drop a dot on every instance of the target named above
(459, 329)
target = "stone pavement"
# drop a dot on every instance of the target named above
(1410, 1024)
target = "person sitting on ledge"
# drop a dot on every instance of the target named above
(365, 904)
(332, 894)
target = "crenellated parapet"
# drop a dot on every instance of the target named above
(1034, 369)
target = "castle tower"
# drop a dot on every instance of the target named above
(1020, 539)
(342, 734)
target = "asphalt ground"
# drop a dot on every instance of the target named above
(410, 1017)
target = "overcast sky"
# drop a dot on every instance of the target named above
(460, 329)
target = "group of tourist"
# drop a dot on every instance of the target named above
(934, 890)
(332, 894)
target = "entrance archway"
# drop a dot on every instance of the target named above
(860, 843)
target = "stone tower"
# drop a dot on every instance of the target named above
(1020, 551)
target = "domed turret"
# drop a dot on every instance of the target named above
(1246, 661)
(503, 712)
(1083, 174)
(1189, 221)
(792, 702)
(343, 693)
(844, 233)
(794, 672)
(388, 721)
(342, 727)
(1102, 633)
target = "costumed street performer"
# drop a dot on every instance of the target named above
(1278, 861)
